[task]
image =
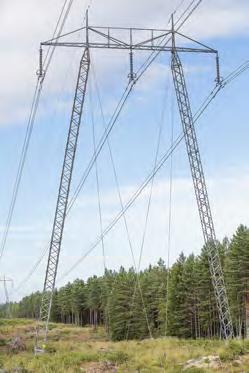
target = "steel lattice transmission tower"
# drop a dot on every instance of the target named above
(5, 280)
(134, 39)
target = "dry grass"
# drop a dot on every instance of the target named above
(73, 350)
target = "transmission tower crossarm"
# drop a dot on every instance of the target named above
(135, 47)
(201, 194)
(116, 38)
(63, 195)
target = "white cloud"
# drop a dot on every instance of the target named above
(18, 229)
(228, 197)
(229, 200)
(220, 18)
(25, 23)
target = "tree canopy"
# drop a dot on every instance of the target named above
(156, 301)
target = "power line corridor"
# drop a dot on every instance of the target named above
(170, 41)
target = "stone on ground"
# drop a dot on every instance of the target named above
(211, 361)
(16, 345)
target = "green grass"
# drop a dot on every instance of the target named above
(73, 350)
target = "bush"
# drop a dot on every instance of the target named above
(246, 345)
(237, 347)
(50, 349)
(52, 326)
(226, 356)
(14, 322)
(117, 357)
(233, 350)
(3, 342)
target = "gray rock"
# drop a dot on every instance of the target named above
(211, 361)
(16, 345)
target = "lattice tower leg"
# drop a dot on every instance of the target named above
(62, 201)
(201, 195)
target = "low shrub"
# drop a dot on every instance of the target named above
(195, 370)
(233, 350)
(3, 341)
(117, 357)
(50, 349)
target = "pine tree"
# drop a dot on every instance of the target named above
(208, 320)
(133, 306)
(120, 305)
(177, 292)
(237, 274)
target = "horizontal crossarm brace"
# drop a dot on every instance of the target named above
(211, 50)
(136, 39)
(139, 47)
(107, 36)
(152, 40)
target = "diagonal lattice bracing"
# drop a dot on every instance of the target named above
(201, 195)
(64, 189)
(137, 39)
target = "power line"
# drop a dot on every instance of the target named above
(135, 196)
(88, 170)
(185, 11)
(149, 201)
(118, 190)
(97, 182)
(243, 67)
(102, 142)
(152, 57)
(35, 104)
(32, 271)
(233, 75)
(143, 68)
(56, 27)
(162, 161)
(170, 215)
(203, 109)
(48, 57)
(21, 164)
(152, 181)
(29, 130)
(238, 71)
(125, 223)
(120, 105)
(179, 6)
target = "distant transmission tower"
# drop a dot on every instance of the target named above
(134, 39)
(5, 280)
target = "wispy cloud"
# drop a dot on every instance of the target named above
(24, 24)
(229, 200)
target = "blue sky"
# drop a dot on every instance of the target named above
(223, 137)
